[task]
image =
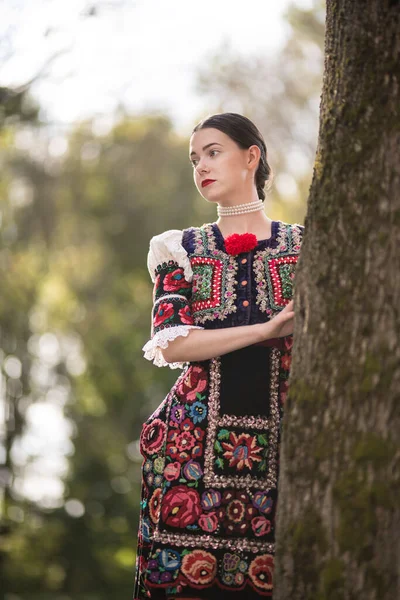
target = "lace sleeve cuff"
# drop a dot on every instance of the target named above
(152, 349)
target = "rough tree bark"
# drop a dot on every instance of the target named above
(338, 527)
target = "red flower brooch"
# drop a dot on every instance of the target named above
(240, 242)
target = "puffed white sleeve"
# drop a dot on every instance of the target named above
(171, 272)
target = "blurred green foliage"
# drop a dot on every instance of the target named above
(74, 263)
(77, 214)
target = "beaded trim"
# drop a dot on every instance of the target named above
(165, 297)
(251, 421)
(289, 244)
(297, 234)
(207, 541)
(216, 421)
(198, 241)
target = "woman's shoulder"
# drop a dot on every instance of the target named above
(292, 226)
(167, 246)
(293, 230)
(174, 235)
(166, 237)
(297, 231)
(190, 234)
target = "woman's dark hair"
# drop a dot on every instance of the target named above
(242, 131)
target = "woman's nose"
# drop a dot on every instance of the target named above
(201, 166)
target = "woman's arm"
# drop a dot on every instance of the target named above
(204, 344)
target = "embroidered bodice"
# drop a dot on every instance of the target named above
(197, 284)
(243, 289)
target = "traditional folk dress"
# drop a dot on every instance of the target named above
(211, 449)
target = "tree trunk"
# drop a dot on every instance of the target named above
(338, 522)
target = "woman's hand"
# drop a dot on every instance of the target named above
(280, 325)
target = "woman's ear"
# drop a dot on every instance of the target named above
(254, 154)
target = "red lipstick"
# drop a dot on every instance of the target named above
(207, 182)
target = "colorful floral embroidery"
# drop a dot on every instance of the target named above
(233, 570)
(192, 384)
(263, 501)
(198, 412)
(169, 278)
(171, 297)
(181, 506)
(163, 567)
(261, 570)
(211, 499)
(172, 471)
(184, 442)
(154, 505)
(209, 487)
(261, 526)
(174, 281)
(241, 450)
(186, 315)
(171, 311)
(199, 567)
(192, 470)
(236, 511)
(209, 522)
(152, 437)
(165, 313)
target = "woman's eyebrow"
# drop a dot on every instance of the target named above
(206, 146)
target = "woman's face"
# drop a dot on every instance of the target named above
(216, 156)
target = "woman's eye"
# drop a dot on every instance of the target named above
(194, 161)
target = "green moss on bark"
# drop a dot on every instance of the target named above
(357, 521)
(358, 498)
(301, 393)
(372, 448)
(308, 542)
(332, 580)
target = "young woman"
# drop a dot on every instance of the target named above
(223, 312)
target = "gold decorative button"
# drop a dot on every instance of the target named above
(243, 261)
(245, 302)
(244, 282)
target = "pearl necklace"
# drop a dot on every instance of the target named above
(240, 209)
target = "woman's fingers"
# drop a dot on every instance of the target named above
(287, 308)
(289, 305)
(289, 315)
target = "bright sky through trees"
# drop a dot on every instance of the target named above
(139, 54)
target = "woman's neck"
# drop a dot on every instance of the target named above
(257, 223)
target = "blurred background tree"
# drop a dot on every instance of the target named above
(78, 208)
